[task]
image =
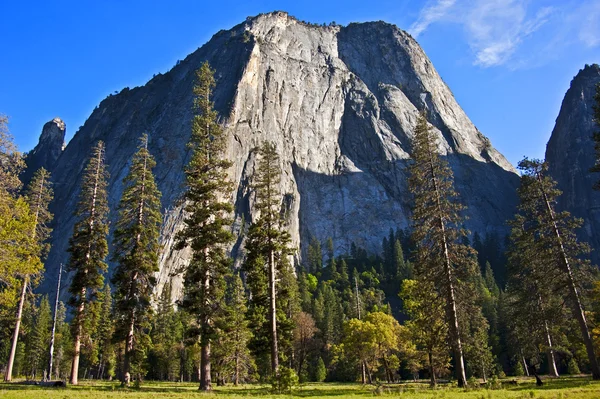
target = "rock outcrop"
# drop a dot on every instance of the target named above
(49, 148)
(570, 155)
(340, 103)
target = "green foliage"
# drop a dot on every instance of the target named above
(426, 326)
(20, 255)
(38, 340)
(573, 367)
(320, 371)
(11, 161)
(285, 381)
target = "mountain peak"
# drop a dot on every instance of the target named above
(340, 104)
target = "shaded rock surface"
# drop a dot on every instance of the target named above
(48, 150)
(570, 155)
(340, 103)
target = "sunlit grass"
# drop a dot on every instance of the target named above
(560, 388)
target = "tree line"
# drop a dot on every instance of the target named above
(437, 302)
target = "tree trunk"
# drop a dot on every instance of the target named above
(525, 365)
(574, 295)
(433, 380)
(128, 352)
(205, 381)
(51, 357)
(453, 323)
(77, 342)
(237, 368)
(273, 316)
(13, 348)
(550, 353)
(363, 373)
(451, 312)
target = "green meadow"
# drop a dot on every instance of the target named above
(559, 388)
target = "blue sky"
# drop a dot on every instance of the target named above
(508, 62)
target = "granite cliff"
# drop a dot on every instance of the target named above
(340, 103)
(570, 155)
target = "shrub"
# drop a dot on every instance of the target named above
(286, 381)
(321, 371)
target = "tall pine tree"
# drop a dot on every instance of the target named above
(268, 250)
(88, 246)
(206, 225)
(441, 259)
(136, 251)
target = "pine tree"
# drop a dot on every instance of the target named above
(315, 256)
(38, 196)
(551, 236)
(268, 248)
(88, 246)
(103, 335)
(136, 251)
(231, 353)
(442, 258)
(206, 225)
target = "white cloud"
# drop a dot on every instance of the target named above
(588, 18)
(433, 12)
(496, 29)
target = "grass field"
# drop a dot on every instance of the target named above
(560, 388)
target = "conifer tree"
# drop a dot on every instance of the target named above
(206, 224)
(38, 339)
(268, 248)
(103, 334)
(39, 195)
(88, 247)
(164, 364)
(551, 236)
(136, 251)
(442, 258)
(231, 354)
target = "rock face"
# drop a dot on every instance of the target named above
(570, 155)
(49, 148)
(340, 103)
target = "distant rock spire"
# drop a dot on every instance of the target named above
(50, 145)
